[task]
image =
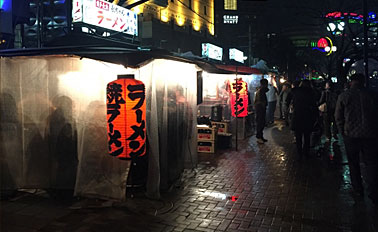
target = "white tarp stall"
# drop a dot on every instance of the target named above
(53, 132)
(216, 91)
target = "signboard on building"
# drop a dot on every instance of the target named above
(230, 19)
(212, 51)
(106, 15)
(236, 55)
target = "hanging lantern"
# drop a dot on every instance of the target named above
(239, 86)
(126, 117)
(239, 99)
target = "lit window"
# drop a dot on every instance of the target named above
(230, 4)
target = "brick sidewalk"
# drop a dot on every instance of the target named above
(257, 188)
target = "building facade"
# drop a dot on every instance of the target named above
(179, 26)
(174, 25)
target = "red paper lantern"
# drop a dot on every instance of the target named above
(240, 87)
(126, 117)
(239, 99)
(242, 104)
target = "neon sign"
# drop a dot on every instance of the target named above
(5, 17)
(340, 15)
(353, 17)
(325, 45)
(6, 5)
(322, 43)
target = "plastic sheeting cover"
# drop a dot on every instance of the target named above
(53, 124)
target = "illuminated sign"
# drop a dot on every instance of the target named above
(106, 15)
(325, 45)
(5, 17)
(237, 55)
(342, 15)
(353, 17)
(322, 43)
(5, 5)
(212, 51)
(230, 19)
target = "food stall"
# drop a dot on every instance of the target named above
(217, 100)
(54, 121)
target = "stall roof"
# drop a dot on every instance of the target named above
(128, 57)
(239, 69)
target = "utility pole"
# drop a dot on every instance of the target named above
(250, 44)
(366, 44)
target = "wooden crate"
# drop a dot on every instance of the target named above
(205, 133)
(206, 146)
(221, 126)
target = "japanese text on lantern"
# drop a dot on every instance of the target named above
(239, 99)
(126, 118)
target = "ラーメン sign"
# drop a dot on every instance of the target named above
(239, 98)
(106, 15)
(126, 114)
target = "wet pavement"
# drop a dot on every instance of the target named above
(257, 188)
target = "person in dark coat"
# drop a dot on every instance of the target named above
(356, 117)
(329, 97)
(260, 104)
(304, 116)
(289, 100)
(284, 108)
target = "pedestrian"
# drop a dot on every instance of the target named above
(289, 100)
(346, 86)
(304, 116)
(284, 108)
(260, 104)
(356, 116)
(327, 105)
(272, 102)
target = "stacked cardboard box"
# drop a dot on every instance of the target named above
(206, 138)
(224, 137)
(222, 127)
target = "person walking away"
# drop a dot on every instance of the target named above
(272, 102)
(289, 104)
(260, 104)
(304, 116)
(282, 100)
(289, 99)
(356, 117)
(328, 100)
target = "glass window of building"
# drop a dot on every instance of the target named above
(230, 4)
